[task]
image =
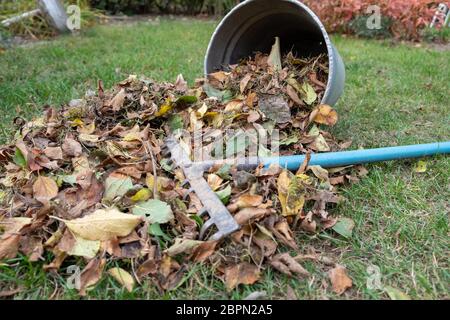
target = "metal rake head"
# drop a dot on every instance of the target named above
(219, 216)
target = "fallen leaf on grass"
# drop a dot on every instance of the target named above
(420, 166)
(122, 277)
(9, 293)
(77, 246)
(286, 264)
(103, 224)
(148, 267)
(396, 294)
(340, 281)
(182, 246)
(257, 295)
(91, 274)
(203, 251)
(9, 246)
(344, 227)
(242, 273)
(248, 214)
(45, 189)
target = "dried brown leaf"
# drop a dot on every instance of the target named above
(91, 274)
(45, 189)
(242, 273)
(340, 281)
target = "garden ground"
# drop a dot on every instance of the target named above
(395, 95)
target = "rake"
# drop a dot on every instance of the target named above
(218, 214)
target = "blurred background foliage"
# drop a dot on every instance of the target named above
(400, 19)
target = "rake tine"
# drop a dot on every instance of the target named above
(184, 183)
(213, 206)
(165, 152)
(202, 212)
(208, 224)
(188, 193)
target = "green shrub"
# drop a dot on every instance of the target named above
(436, 35)
(190, 7)
(125, 6)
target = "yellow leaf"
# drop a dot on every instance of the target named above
(122, 277)
(291, 192)
(420, 166)
(295, 199)
(132, 136)
(142, 195)
(77, 123)
(162, 182)
(45, 189)
(89, 129)
(214, 181)
(326, 115)
(283, 187)
(103, 224)
(202, 111)
(165, 108)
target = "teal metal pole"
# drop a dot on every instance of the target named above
(346, 158)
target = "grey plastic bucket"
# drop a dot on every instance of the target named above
(55, 13)
(252, 26)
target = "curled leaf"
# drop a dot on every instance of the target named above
(123, 277)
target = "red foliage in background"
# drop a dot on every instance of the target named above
(408, 16)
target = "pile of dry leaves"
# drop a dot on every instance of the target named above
(88, 180)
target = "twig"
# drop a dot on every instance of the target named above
(155, 176)
(10, 21)
(134, 272)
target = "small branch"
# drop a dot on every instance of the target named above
(10, 21)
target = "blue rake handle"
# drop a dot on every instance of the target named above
(339, 159)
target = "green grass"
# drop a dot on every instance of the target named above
(394, 95)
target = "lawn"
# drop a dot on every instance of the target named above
(395, 94)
